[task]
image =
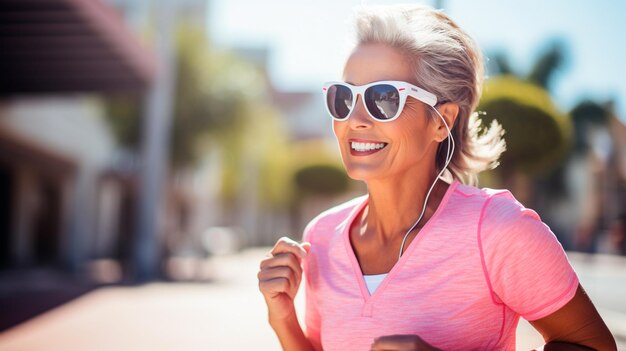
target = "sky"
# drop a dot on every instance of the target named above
(309, 40)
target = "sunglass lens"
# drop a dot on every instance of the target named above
(382, 101)
(340, 100)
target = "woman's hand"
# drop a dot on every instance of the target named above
(401, 343)
(280, 275)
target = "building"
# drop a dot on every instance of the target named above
(58, 57)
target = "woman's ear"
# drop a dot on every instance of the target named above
(449, 111)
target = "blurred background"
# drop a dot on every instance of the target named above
(151, 151)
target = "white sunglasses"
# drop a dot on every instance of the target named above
(384, 100)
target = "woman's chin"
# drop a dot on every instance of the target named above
(363, 173)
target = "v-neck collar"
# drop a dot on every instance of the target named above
(358, 274)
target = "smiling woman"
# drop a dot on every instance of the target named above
(425, 260)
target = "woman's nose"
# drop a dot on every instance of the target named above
(359, 119)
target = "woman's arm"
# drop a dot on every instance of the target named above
(279, 277)
(575, 326)
(290, 334)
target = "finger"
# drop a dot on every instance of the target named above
(285, 244)
(279, 272)
(287, 262)
(274, 286)
(282, 259)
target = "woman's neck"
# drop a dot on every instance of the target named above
(395, 204)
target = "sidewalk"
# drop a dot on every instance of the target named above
(227, 314)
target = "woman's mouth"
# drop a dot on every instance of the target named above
(364, 148)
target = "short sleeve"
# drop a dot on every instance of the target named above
(311, 313)
(525, 265)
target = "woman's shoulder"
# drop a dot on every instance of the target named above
(471, 198)
(493, 203)
(471, 191)
(339, 213)
(501, 215)
(334, 216)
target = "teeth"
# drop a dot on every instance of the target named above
(366, 146)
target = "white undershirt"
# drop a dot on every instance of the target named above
(373, 281)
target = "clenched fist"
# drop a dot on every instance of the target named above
(280, 275)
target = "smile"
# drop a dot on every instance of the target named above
(358, 148)
(366, 146)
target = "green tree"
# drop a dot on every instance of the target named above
(317, 170)
(547, 65)
(498, 64)
(542, 71)
(537, 134)
(213, 91)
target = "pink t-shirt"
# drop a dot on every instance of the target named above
(482, 261)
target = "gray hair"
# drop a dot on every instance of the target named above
(446, 62)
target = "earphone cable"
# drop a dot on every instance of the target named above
(449, 154)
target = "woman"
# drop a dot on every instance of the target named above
(425, 261)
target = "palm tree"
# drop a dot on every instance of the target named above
(538, 134)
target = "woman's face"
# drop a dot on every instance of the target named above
(410, 141)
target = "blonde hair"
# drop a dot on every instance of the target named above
(446, 62)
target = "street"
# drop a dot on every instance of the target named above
(228, 313)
